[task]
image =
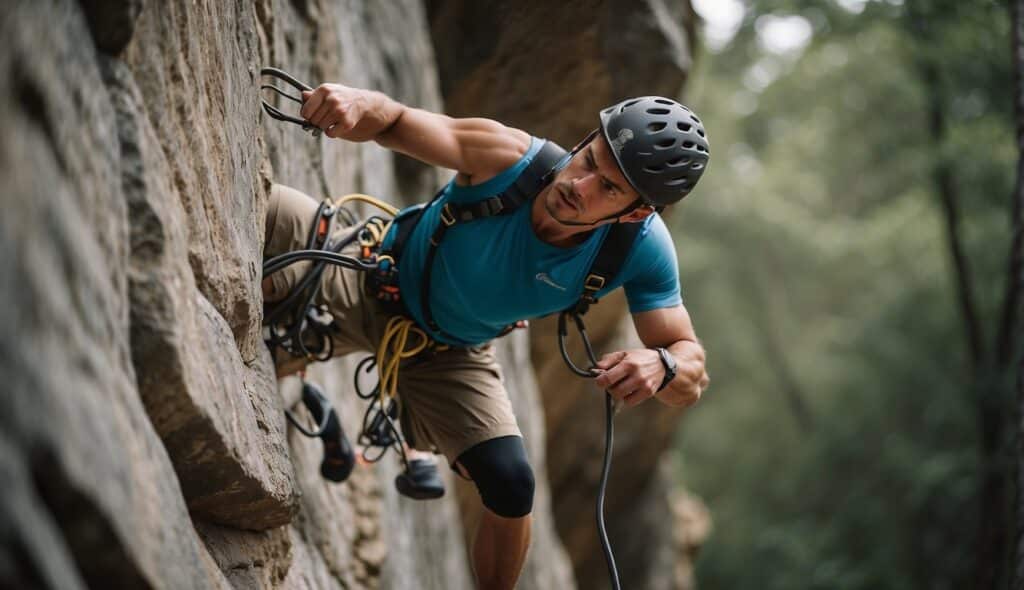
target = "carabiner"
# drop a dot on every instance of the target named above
(277, 113)
(563, 332)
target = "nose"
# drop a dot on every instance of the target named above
(581, 185)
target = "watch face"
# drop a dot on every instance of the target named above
(670, 367)
(667, 359)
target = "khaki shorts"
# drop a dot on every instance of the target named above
(451, 399)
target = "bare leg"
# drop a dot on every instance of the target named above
(499, 550)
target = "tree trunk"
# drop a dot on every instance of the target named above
(992, 539)
(1013, 287)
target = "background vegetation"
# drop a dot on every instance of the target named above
(846, 263)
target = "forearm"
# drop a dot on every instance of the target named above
(471, 146)
(691, 377)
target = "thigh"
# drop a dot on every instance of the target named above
(453, 400)
(290, 216)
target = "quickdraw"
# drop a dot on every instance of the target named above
(277, 113)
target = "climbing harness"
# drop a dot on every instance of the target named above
(297, 324)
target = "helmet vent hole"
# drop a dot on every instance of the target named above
(680, 181)
(630, 103)
(690, 144)
(608, 111)
(656, 127)
(664, 144)
(676, 162)
(695, 119)
(653, 169)
(700, 132)
(658, 111)
(697, 166)
(684, 127)
(664, 101)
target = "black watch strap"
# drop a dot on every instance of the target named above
(669, 362)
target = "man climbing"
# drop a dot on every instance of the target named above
(472, 263)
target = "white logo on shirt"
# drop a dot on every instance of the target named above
(544, 278)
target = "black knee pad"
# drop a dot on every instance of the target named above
(502, 474)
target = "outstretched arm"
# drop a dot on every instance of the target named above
(635, 375)
(477, 148)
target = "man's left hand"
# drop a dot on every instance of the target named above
(631, 376)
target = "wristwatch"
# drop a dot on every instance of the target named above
(670, 367)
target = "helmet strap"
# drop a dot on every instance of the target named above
(629, 209)
(550, 174)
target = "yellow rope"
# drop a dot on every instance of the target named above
(392, 350)
(386, 207)
(378, 229)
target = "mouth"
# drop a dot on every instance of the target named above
(571, 202)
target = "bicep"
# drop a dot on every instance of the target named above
(665, 326)
(475, 147)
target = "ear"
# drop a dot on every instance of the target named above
(636, 215)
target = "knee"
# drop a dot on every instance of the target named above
(502, 475)
(508, 489)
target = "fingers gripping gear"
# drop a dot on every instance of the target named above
(502, 474)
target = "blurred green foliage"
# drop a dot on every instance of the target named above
(838, 446)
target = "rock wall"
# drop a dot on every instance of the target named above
(142, 436)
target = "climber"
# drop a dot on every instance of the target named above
(472, 263)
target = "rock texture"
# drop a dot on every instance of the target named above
(142, 438)
(551, 70)
(93, 498)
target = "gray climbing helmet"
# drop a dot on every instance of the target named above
(659, 144)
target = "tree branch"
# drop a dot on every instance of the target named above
(948, 197)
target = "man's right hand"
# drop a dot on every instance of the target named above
(348, 113)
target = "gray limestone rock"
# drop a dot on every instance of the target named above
(219, 418)
(94, 480)
(111, 22)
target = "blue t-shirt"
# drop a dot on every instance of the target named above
(492, 272)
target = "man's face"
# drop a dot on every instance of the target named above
(590, 188)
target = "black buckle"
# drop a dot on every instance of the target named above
(494, 205)
(447, 217)
(593, 283)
